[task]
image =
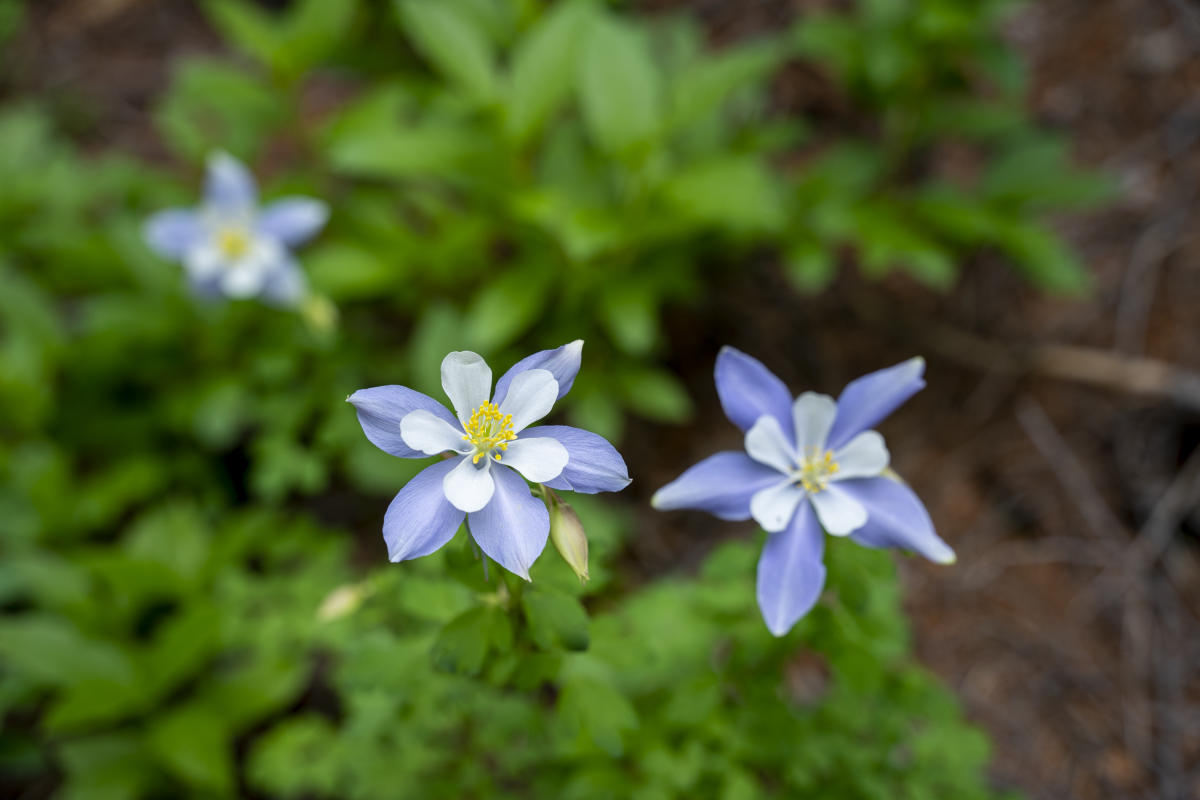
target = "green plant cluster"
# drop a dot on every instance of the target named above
(186, 608)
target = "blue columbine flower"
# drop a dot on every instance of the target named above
(810, 464)
(229, 246)
(491, 448)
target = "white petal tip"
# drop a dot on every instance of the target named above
(947, 558)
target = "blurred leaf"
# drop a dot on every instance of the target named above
(656, 395)
(404, 150)
(345, 271)
(214, 106)
(704, 86)
(737, 193)
(253, 30)
(462, 643)
(505, 308)
(182, 648)
(1043, 257)
(451, 39)
(619, 86)
(809, 265)
(630, 316)
(603, 713)
(1036, 174)
(51, 651)
(90, 703)
(555, 619)
(103, 767)
(253, 688)
(543, 67)
(295, 757)
(195, 745)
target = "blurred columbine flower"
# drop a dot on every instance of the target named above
(229, 246)
(810, 464)
(490, 452)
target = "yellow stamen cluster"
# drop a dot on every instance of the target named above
(488, 429)
(233, 242)
(816, 468)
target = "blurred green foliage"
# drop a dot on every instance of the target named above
(184, 611)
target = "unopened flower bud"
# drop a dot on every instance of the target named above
(341, 601)
(319, 312)
(566, 531)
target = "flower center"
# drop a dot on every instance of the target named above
(233, 243)
(816, 469)
(488, 430)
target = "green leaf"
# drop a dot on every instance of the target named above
(629, 312)
(195, 745)
(106, 767)
(604, 714)
(618, 86)
(248, 27)
(705, 85)
(51, 651)
(314, 28)
(809, 265)
(295, 758)
(405, 151)
(451, 39)
(543, 66)
(89, 703)
(345, 271)
(253, 688)
(213, 105)
(737, 193)
(555, 619)
(1043, 257)
(505, 308)
(1036, 174)
(462, 644)
(182, 647)
(656, 395)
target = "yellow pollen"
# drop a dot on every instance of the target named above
(233, 242)
(816, 468)
(489, 430)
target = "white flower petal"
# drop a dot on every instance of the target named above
(838, 511)
(864, 456)
(773, 507)
(813, 416)
(204, 261)
(530, 397)
(767, 444)
(243, 281)
(430, 434)
(469, 486)
(467, 381)
(539, 459)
